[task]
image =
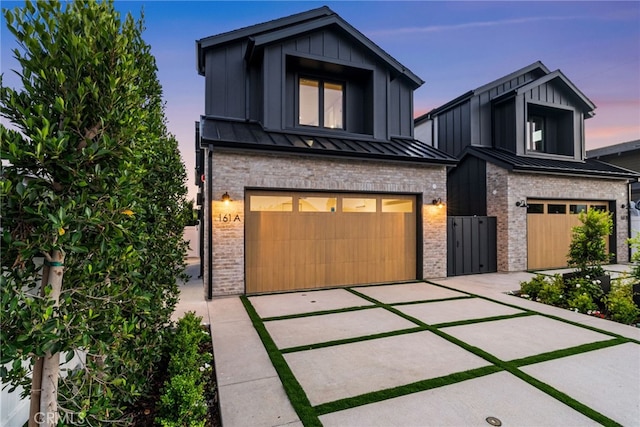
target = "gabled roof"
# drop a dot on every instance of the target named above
(538, 68)
(559, 78)
(513, 162)
(617, 149)
(242, 135)
(290, 26)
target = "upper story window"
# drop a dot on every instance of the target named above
(550, 130)
(535, 133)
(320, 103)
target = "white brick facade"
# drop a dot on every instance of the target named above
(233, 172)
(505, 188)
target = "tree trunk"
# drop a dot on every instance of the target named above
(51, 362)
(36, 375)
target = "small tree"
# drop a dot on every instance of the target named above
(93, 185)
(588, 249)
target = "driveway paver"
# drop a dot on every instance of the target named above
(456, 310)
(332, 373)
(606, 380)
(336, 326)
(407, 292)
(510, 339)
(468, 403)
(305, 302)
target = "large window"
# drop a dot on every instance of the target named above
(320, 103)
(550, 130)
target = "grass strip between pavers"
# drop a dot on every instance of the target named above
(397, 304)
(292, 387)
(572, 351)
(481, 320)
(318, 313)
(403, 390)
(511, 367)
(352, 340)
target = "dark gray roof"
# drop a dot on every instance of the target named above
(616, 149)
(289, 26)
(252, 136)
(544, 76)
(513, 162)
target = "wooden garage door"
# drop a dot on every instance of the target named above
(314, 240)
(549, 224)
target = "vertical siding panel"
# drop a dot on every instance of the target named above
(485, 120)
(274, 74)
(215, 77)
(235, 87)
(303, 45)
(330, 44)
(316, 46)
(344, 51)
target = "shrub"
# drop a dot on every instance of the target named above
(183, 402)
(588, 249)
(552, 291)
(582, 303)
(620, 305)
(581, 285)
(533, 287)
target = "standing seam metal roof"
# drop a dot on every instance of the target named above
(251, 135)
(512, 161)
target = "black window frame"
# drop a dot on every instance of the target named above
(321, 82)
(558, 129)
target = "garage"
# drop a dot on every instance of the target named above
(307, 240)
(549, 225)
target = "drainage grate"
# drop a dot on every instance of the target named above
(493, 421)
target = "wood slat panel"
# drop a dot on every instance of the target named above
(549, 235)
(304, 250)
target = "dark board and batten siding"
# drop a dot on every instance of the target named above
(225, 85)
(454, 129)
(466, 188)
(264, 90)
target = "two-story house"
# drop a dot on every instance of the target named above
(309, 170)
(520, 142)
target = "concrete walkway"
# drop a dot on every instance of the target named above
(416, 333)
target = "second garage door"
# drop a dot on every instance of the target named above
(549, 224)
(312, 240)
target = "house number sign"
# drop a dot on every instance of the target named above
(229, 218)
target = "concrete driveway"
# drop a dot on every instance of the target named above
(450, 352)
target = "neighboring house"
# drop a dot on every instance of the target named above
(626, 155)
(520, 141)
(309, 171)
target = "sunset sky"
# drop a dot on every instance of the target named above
(454, 46)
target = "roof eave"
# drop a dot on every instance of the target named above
(254, 147)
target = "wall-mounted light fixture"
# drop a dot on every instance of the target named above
(226, 198)
(438, 202)
(522, 204)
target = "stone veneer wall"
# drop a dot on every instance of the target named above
(235, 171)
(505, 188)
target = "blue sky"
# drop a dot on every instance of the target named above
(454, 46)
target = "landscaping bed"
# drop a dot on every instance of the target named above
(173, 401)
(612, 299)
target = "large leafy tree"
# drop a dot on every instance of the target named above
(93, 201)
